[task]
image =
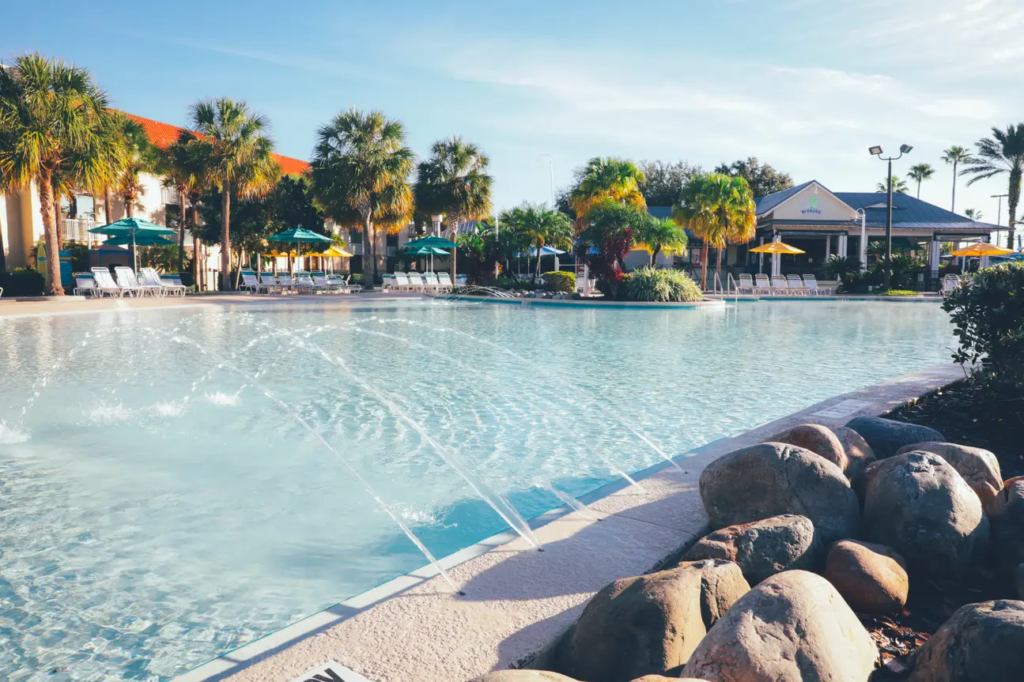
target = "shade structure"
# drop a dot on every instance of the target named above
(423, 251)
(437, 242)
(982, 249)
(334, 251)
(544, 251)
(133, 229)
(779, 248)
(143, 239)
(300, 236)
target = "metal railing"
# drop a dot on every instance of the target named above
(77, 230)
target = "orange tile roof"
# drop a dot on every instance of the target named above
(164, 134)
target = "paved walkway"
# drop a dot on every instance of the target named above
(518, 599)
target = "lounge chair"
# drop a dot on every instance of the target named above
(106, 284)
(949, 283)
(352, 287)
(286, 283)
(303, 282)
(811, 284)
(249, 282)
(461, 280)
(125, 278)
(268, 283)
(320, 282)
(387, 282)
(796, 285)
(151, 280)
(444, 281)
(416, 281)
(85, 285)
(173, 284)
(779, 285)
(401, 282)
(430, 282)
(746, 284)
(762, 284)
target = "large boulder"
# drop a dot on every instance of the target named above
(872, 578)
(771, 479)
(818, 439)
(763, 548)
(979, 643)
(858, 453)
(978, 467)
(920, 506)
(886, 436)
(1007, 518)
(645, 625)
(793, 627)
(523, 676)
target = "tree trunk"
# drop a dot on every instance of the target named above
(1012, 201)
(705, 252)
(57, 221)
(129, 204)
(196, 249)
(73, 206)
(369, 262)
(53, 286)
(225, 236)
(953, 208)
(108, 216)
(718, 266)
(536, 275)
(182, 221)
(238, 272)
(918, 189)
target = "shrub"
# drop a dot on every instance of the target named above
(22, 282)
(988, 314)
(857, 282)
(899, 292)
(560, 282)
(835, 267)
(649, 284)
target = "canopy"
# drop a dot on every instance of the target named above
(141, 239)
(133, 229)
(778, 247)
(334, 251)
(982, 249)
(423, 251)
(300, 235)
(437, 242)
(544, 251)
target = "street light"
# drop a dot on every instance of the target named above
(551, 174)
(877, 151)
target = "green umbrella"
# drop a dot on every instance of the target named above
(133, 229)
(437, 242)
(300, 236)
(424, 251)
(139, 240)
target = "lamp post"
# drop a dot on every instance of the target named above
(551, 174)
(877, 151)
(863, 239)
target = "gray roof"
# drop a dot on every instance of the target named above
(770, 201)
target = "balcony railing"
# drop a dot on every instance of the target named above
(169, 195)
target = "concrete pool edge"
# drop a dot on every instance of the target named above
(518, 600)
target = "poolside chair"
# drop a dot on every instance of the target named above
(85, 285)
(173, 284)
(151, 281)
(746, 283)
(304, 283)
(249, 282)
(106, 284)
(320, 282)
(811, 284)
(431, 283)
(268, 283)
(461, 280)
(125, 278)
(795, 284)
(444, 281)
(949, 283)
(401, 281)
(352, 287)
(286, 283)
(762, 285)
(387, 282)
(416, 281)
(779, 285)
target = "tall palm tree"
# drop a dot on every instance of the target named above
(898, 186)
(51, 115)
(660, 236)
(139, 156)
(361, 168)
(1001, 153)
(920, 173)
(720, 210)
(240, 158)
(973, 214)
(185, 167)
(602, 179)
(540, 226)
(955, 155)
(454, 182)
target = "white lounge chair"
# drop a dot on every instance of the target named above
(811, 284)
(268, 283)
(444, 281)
(949, 283)
(387, 282)
(779, 285)
(461, 280)
(320, 282)
(249, 282)
(106, 284)
(416, 281)
(85, 285)
(286, 283)
(746, 284)
(126, 279)
(401, 281)
(155, 285)
(430, 282)
(173, 284)
(762, 285)
(352, 287)
(796, 285)
(304, 283)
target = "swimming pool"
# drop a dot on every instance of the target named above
(165, 494)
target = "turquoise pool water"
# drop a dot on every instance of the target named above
(157, 508)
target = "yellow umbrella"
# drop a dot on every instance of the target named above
(982, 249)
(777, 247)
(333, 252)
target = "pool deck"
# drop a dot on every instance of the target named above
(516, 598)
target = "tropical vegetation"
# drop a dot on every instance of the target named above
(919, 173)
(1003, 153)
(606, 179)
(453, 182)
(762, 178)
(560, 282)
(663, 181)
(538, 227)
(898, 186)
(659, 236)
(650, 284)
(955, 156)
(606, 238)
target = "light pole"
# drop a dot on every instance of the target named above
(877, 151)
(999, 211)
(863, 239)
(551, 173)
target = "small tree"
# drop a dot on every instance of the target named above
(659, 236)
(539, 227)
(762, 178)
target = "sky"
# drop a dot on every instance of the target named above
(542, 86)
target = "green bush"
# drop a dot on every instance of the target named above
(836, 267)
(22, 282)
(899, 292)
(560, 282)
(857, 282)
(988, 314)
(649, 284)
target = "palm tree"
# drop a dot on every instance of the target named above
(454, 182)
(185, 167)
(973, 214)
(540, 226)
(240, 158)
(51, 118)
(720, 210)
(1001, 153)
(139, 156)
(602, 179)
(660, 236)
(955, 155)
(361, 168)
(898, 185)
(920, 173)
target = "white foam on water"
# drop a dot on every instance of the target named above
(12, 435)
(223, 399)
(108, 413)
(169, 409)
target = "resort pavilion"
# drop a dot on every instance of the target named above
(822, 223)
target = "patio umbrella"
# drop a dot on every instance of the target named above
(439, 243)
(333, 251)
(300, 236)
(982, 249)
(424, 250)
(777, 249)
(133, 228)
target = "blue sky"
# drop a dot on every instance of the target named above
(806, 85)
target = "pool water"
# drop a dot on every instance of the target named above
(165, 495)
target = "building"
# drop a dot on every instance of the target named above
(821, 222)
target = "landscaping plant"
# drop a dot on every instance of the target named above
(560, 282)
(649, 284)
